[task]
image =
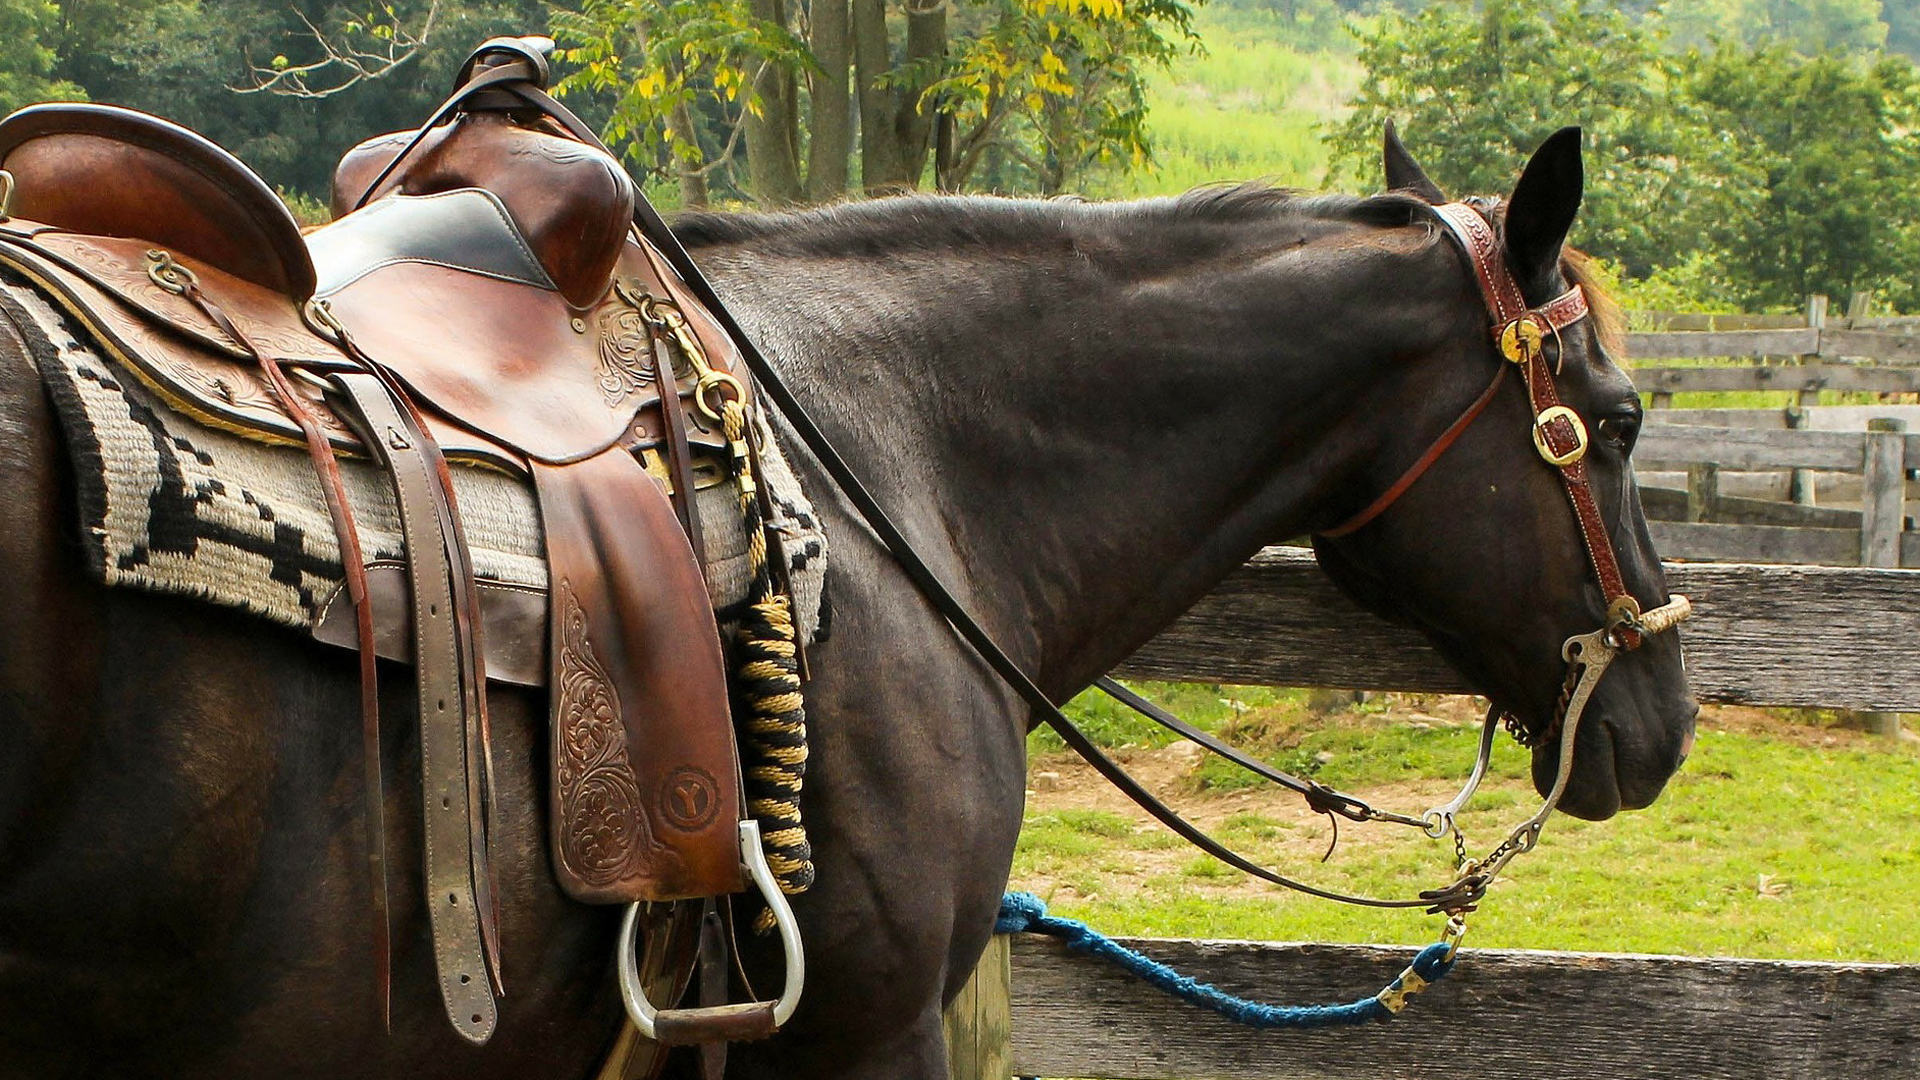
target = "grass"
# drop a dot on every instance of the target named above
(1762, 846)
(1247, 109)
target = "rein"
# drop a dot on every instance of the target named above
(1558, 434)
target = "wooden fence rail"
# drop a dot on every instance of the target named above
(1878, 534)
(1761, 635)
(1503, 1015)
(1868, 345)
(1815, 307)
(1799, 378)
(1814, 636)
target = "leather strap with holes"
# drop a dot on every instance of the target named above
(1560, 435)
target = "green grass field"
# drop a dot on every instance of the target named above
(1247, 109)
(1782, 837)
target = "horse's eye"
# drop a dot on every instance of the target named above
(1620, 430)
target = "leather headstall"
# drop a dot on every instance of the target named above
(1521, 333)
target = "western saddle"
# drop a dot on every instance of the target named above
(483, 295)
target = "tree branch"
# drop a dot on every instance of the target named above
(352, 65)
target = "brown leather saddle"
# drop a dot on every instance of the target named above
(482, 296)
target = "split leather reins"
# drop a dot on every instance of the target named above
(1521, 334)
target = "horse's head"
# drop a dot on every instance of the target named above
(1484, 554)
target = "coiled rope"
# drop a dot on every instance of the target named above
(1026, 913)
(771, 713)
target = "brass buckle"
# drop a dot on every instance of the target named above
(6, 195)
(1522, 340)
(1548, 416)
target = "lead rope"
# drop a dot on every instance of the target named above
(775, 720)
(1025, 913)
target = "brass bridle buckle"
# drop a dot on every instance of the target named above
(1574, 423)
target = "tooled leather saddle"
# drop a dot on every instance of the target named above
(482, 296)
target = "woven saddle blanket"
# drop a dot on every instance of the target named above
(172, 505)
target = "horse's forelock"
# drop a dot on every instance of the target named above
(1608, 319)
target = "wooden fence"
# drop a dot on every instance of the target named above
(1853, 352)
(1701, 524)
(1762, 635)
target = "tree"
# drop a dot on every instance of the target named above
(1831, 196)
(1476, 86)
(27, 29)
(662, 60)
(1903, 26)
(185, 60)
(1804, 26)
(935, 89)
(1057, 86)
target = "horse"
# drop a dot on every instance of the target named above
(1084, 415)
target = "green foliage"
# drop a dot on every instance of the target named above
(187, 60)
(1826, 198)
(1059, 86)
(1477, 86)
(1806, 26)
(1903, 26)
(653, 58)
(1030, 95)
(1735, 177)
(1246, 109)
(27, 58)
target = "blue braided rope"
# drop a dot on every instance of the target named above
(1025, 913)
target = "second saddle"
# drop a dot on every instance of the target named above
(482, 296)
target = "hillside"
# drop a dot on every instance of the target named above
(1248, 108)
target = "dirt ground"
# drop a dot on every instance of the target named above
(1060, 781)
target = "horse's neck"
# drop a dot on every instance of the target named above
(1085, 440)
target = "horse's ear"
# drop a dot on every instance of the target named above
(1543, 205)
(1405, 174)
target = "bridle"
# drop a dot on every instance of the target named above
(1520, 333)
(1559, 435)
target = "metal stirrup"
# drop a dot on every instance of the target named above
(649, 1019)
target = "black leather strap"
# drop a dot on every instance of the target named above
(1458, 894)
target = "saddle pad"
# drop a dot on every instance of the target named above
(172, 505)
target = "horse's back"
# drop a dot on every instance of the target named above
(182, 882)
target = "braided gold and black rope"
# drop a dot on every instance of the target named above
(769, 709)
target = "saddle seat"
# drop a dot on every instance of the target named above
(100, 170)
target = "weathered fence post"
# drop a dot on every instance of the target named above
(1800, 487)
(1883, 516)
(980, 1021)
(1703, 491)
(1857, 305)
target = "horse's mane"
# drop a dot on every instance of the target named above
(938, 221)
(934, 221)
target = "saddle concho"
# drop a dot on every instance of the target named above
(486, 299)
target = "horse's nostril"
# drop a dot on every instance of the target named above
(1686, 745)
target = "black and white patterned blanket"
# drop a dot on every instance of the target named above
(170, 504)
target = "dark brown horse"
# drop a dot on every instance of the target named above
(1084, 415)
